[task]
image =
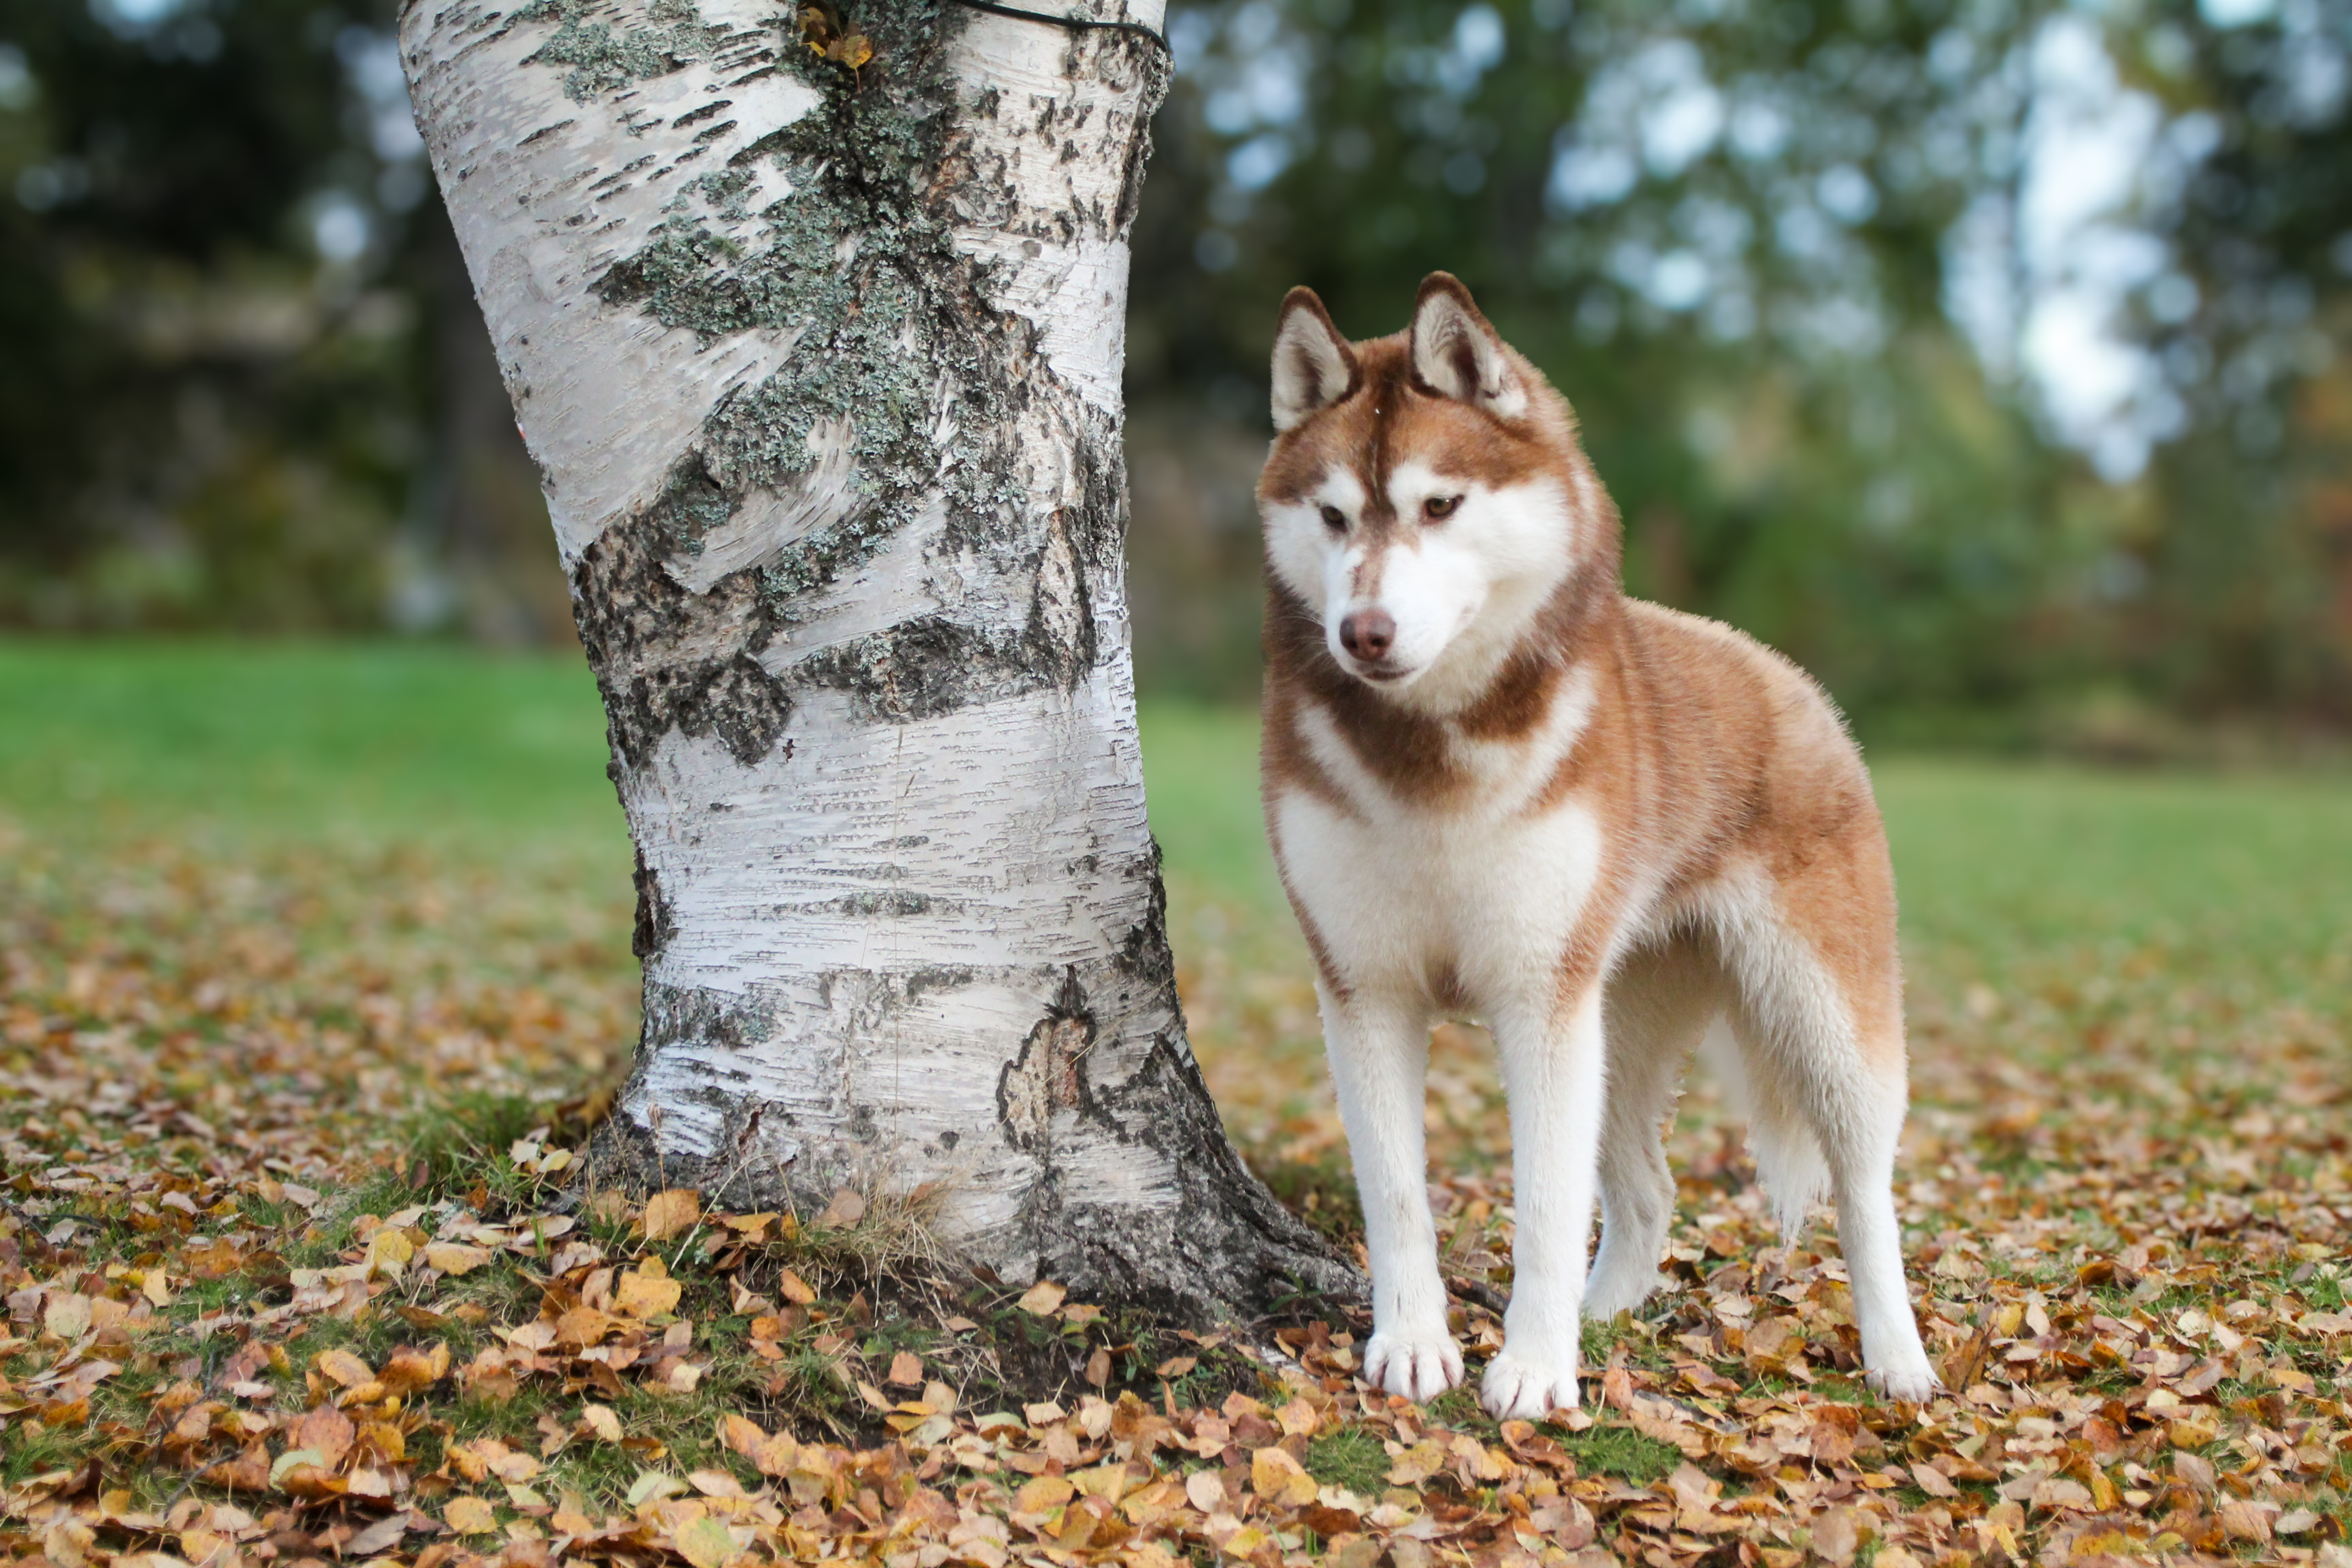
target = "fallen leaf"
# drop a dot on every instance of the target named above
(646, 1291)
(1279, 1478)
(1417, 1464)
(469, 1516)
(705, 1542)
(672, 1214)
(67, 1316)
(454, 1259)
(381, 1536)
(846, 1209)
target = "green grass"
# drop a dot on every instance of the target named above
(1999, 863)
(1615, 1449)
(1351, 1458)
(376, 742)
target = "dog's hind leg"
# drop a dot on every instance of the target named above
(1818, 1015)
(1659, 1003)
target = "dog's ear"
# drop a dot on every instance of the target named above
(1313, 366)
(1455, 352)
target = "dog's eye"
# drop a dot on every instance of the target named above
(1335, 520)
(1437, 507)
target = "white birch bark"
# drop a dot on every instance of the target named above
(821, 374)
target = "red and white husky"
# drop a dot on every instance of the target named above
(1498, 788)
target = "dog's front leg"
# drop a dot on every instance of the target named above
(1380, 1063)
(1552, 1071)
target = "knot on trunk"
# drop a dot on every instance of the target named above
(1050, 1073)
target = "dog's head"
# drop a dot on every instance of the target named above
(1425, 495)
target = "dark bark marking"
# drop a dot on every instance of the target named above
(632, 618)
(1060, 629)
(655, 925)
(926, 668)
(1145, 956)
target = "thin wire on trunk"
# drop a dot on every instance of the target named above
(1085, 23)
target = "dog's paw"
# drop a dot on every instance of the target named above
(1527, 1388)
(1905, 1384)
(1610, 1292)
(1418, 1366)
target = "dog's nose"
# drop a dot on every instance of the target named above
(1367, 633)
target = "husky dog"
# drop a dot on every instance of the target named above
(1498, 789)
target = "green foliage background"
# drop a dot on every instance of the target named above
(242, 386)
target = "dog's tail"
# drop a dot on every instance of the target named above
(1789, 1162)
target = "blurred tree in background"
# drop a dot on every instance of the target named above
(243, 383)
(1985, 356)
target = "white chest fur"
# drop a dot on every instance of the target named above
(1486, 887)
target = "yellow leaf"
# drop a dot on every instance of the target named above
(1108, 1482)
(852, 51)
(646, 1292)
(390, 1249)
(66, 1315)
(1043, 1495)
(794, 1288)
(747, 1225)
(1417, 1464)
(601, 1420)
(673, 1213)
(344, 1368)
(451, 1258)
(469, 1516)
(705, 1542)
(387, 1439)
(1279, 1478)
(1043, 1298)
(154, 1287)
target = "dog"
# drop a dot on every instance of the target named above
(1499, 789)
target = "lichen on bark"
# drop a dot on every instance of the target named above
(602, 58)
(859, 263)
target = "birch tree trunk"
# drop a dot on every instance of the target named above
(821, 369)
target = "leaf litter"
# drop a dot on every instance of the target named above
(294, 1271)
